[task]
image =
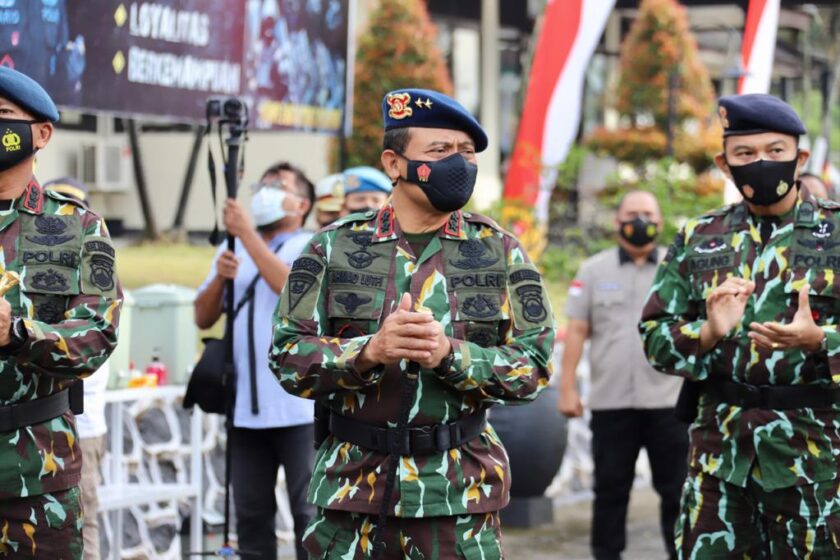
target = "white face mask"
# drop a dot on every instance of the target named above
(267, 206)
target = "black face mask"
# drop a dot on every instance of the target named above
(15, 142)
(764, 182)
(448, 183)
(363, 210)
(638, 232)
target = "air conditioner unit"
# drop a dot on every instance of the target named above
(104, 165)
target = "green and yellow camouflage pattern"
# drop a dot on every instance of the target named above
(334, 534)
(775, 448)
(480, 285)
(70, 300)
(721, 520)
(44, 527)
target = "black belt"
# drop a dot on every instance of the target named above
(30, 413)
(772, 397)
(420, 440)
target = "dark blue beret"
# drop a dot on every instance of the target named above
(430, 109)
(754, 113)
(366, 179)
(26, 92)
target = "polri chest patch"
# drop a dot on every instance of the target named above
(351, 301)
(50, 231)
(362, 257)
(473, 255)
(480, 306)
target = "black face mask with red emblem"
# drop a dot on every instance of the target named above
(448, 183)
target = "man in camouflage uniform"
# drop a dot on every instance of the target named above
(747, 304)
(417, 283)
(57, 325)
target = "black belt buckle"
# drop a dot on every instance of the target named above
(751, 396)
(443, 438)
(423, 440)
(397, 447)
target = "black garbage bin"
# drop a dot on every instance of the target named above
(535, 438)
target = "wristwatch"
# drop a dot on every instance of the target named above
(17, 332)
(18, 335)
(445, 365)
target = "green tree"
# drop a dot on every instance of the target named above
(398, 50)
(660, 43)
(660, 58)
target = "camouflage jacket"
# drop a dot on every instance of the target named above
(70, 301)
(781, 448)
(479, 283)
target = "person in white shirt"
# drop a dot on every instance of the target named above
(270, 427)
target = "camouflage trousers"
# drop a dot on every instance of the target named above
(334, 535)
(44, 527)
(722, 520)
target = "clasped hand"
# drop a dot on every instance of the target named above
(725, 309)
(408, 335)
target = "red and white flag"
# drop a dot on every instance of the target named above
(758, 46)
(569, 34)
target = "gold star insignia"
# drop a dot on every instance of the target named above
(419, 102)
(428, 103)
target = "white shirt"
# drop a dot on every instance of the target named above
(278, 409)
(92, 424)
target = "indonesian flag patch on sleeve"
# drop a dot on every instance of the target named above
(575, 288)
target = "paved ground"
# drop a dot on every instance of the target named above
(568, 537)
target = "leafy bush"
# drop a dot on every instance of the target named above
(397, 50)
(660, 43)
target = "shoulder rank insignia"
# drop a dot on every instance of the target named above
(472, 253)
(33, 200)
(385, 223)
(453, 226)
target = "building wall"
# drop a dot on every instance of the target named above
(165, 156)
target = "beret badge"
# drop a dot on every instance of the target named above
(724, 120)
(399, 104)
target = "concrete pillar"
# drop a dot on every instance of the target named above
(612, 44)
(489, 183)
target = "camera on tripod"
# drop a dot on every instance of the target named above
(231, 111)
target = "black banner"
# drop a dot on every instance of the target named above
(286, 58)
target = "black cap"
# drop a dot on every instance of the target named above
(755, 113)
